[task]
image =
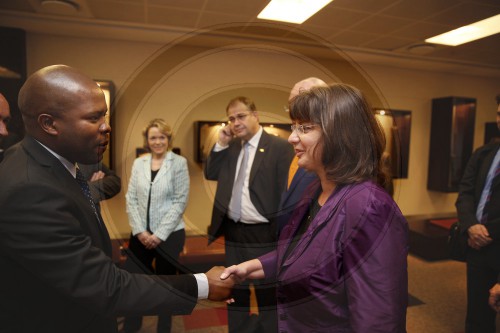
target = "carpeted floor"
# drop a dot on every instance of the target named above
(437, 303)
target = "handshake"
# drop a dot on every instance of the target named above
(222, 280)
(219, 289)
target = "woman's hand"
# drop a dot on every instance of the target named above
(153, 242)
(239, 273)
(144, 237)
(251, 269)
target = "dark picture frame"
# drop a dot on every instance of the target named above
(397, 129)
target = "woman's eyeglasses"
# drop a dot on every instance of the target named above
(302, 129)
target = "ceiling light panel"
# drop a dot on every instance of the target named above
(468, 33)
(292, 11)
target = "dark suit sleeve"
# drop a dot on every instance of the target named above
(215, 162)
(104, 188)
(49, 243)
(466, 202)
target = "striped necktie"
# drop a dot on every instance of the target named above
(86, 191)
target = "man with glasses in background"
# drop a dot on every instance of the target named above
(251, 168)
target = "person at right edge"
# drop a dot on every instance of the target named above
(478, 210)
(341, 262)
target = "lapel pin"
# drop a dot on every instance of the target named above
(261, 150)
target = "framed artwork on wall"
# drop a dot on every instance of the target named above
(396, 125)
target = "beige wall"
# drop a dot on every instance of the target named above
(198, 88)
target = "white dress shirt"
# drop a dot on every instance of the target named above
(249, 214)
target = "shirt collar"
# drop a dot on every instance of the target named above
(254, 141)
(71, 167)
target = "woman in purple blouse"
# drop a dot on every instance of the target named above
(341, 261)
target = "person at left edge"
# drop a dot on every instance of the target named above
(55, 252)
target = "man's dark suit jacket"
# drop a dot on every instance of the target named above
(57, 274)
(268, 177)
(291, 196)
(471, 187)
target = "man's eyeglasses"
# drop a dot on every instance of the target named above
(302, 129)
(239, 117)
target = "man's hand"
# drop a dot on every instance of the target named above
(478, 236)
(225, 135)
(218, 289)
(494, 299)
(96, 176)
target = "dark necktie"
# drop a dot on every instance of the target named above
(86, 191)
(235, 207)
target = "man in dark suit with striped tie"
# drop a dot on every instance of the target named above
(250, 167)
(55, 252)
(478, 207)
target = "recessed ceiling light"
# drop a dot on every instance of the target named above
(292, 11)
(421, 48)
(60, 6)
(468, 33)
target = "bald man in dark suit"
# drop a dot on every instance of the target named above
(55, 252)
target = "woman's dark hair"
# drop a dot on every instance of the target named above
(162, 126)
(352, 139)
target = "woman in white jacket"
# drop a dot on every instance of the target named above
(156, 199)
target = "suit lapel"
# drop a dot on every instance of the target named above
(234, 153)
(146, 167)
(260, 153)
(485, 168)
(299, 174)
(61, 176)
(165, 166)
(322, 218)
(297, 178)
(496, 180)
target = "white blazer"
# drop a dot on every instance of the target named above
(169, 195)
